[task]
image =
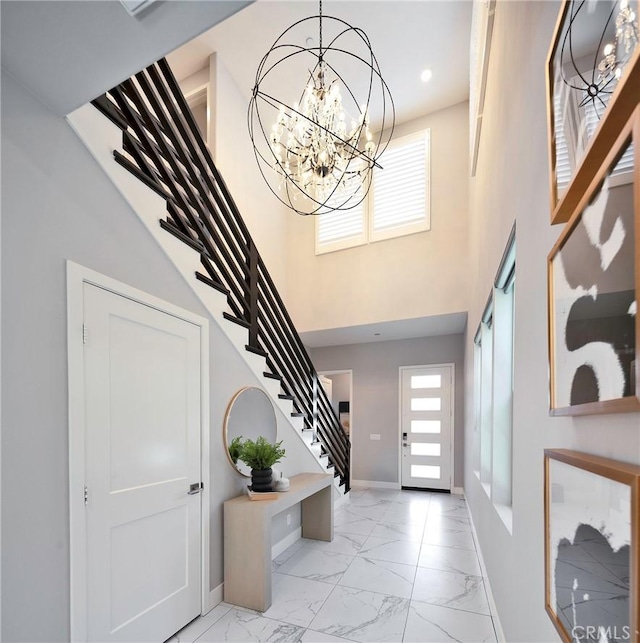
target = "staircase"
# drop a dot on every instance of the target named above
(152, 134)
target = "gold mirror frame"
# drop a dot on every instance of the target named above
(255, 423)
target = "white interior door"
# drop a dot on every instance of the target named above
(426, 416)
(142, 453)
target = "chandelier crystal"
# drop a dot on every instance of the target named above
(617, 39)
(320, 151)
(618, 53)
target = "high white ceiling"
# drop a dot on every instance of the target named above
(406, 36)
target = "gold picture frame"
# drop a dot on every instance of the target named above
(585, 144)
(594, 289)
(592, 546)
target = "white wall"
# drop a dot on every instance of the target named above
(58, 204)
(512, 184)
(375, 402)
(412, 276)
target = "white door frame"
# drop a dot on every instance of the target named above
(452, 449)
(77, 276)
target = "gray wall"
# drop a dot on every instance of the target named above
(57, 204)
(512, 182)
(376, 397)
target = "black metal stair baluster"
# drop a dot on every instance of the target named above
(253, 295)
(198, 193)
(141, 131)
(234, 236)
(163, 65)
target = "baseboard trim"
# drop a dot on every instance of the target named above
(458, 490)
(492, 603)
(375, 484)
(216, 595)
(286, 542)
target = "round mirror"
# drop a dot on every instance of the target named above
(250, 414)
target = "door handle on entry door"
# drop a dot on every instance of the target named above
(195, 488)
(404, 439)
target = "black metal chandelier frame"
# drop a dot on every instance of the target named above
(259, 134)
(592, 88)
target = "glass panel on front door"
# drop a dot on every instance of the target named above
(426, 425)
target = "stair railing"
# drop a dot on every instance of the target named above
(163, 147)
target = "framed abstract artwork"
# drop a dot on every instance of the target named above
(592, 566)
(594, 286)
(593, 75)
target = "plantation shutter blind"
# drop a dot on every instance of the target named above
(592, 118)
(401, 188)
(563, 167)
(341, 228)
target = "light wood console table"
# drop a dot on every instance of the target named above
(247, 535)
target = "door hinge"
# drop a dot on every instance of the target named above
(86, 496)
(84, 333)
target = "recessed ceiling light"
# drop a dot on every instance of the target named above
(376, 334)
(425, 76)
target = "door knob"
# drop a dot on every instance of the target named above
(195, 488)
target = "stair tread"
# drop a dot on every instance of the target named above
(256, 350)
(210, 282)
(272, 376)
(282, 396)
(236, 320)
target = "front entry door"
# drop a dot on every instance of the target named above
(142, 453)
(426, 398)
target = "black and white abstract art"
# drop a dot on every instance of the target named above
(589, 532)
(594, 303)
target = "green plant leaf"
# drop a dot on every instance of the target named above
(261, 454)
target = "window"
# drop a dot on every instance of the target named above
(397, 203)
(493, 381)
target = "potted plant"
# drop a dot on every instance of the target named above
(261, 455)
(235, 449)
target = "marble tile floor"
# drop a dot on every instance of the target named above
(402, 567)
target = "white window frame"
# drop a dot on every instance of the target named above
(494, 361)
(369, 235)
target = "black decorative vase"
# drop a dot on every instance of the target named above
(261, 479)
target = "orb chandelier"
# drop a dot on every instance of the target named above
(315, 149)
(597, 85)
